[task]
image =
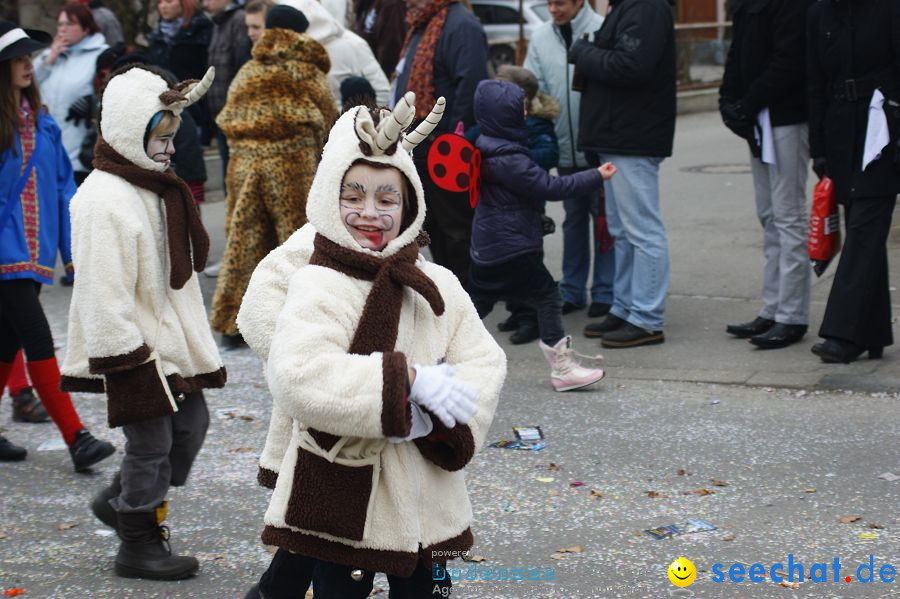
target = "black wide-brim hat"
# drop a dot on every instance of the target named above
(15, 41)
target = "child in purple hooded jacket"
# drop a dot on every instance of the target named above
(507, 242)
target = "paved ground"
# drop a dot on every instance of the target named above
(793, 444)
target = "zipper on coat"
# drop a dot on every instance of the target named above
(568, 99)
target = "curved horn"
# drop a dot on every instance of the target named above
(391, 127)
(415, 137)
(196, 92)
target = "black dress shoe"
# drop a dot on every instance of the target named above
(568, 307)
(756, 326)
(510, 324)
(233, 342)
(10, 452)
(526, 333)
(780, 335)
(835, 351)
(607, 325)
(87, 450)
(597, 309)
(629, 335)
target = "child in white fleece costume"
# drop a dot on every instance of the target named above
(385, 371)
(137, 324)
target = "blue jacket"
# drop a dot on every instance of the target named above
(507, 220)
(55, 186)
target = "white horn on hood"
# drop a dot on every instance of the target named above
(197, 90)
(392, 125)
(417, 136)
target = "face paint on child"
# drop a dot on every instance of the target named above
(371, 205)
(161, 147)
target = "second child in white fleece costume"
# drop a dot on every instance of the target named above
(371, 478)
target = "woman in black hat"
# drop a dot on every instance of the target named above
(36, 184)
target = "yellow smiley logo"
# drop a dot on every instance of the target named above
(682, 572)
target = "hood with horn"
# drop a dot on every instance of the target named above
(131, 98)
(382, 138)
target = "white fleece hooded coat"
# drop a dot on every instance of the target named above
(364, 501)
(123, 307)
(350, 54)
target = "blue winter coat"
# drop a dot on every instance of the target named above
(542, 146)
(507, 220)
(55, 186)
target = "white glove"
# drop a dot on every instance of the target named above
(436, 390)
(421, 425)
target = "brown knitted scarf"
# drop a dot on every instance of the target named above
(380, 320)
(377, 328)
(421, 74)
(184, 229)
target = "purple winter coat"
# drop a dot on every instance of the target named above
(507, 220)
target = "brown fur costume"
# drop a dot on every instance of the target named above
(278, 113)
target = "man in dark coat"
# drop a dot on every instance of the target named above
(763, 95)
(445, 54)
(853, 57)
(628, 118)
(382, 23)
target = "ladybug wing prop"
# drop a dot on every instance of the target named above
(454, 164)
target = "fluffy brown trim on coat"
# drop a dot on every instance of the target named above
(266, 478)
(177, 383)
(395, 563)
(119, 363)
(396, 414)
(74, 384)
(136, 395)
(450, 449)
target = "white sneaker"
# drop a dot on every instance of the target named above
(212, 271)
(566, 370)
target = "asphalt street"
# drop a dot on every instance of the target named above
(772, 448)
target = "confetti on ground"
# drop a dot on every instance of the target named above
(575, 549)
(474, 558)
(718, 483)
(544, 479)
(874, 525)
(595, 494)
(576, 483)
(849, 519)
(809, 490)
(52, 445)
(104, 532)
(14, 592)
(67, 525)
(241, 450)
(889, 476)
(729, 537)
(867, 536)
(554, 467)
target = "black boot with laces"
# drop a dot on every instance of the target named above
(145, 551)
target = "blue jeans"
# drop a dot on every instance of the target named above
(579, 243)
(642, 250)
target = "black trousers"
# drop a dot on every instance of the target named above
(859, 305)
(526, 280)
(333, 581)
(288, 577)
(22, 322)
(448, 221)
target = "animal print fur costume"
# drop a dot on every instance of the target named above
(276, 118)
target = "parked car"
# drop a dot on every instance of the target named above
(500, 19)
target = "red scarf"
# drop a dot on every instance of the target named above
(421, 74)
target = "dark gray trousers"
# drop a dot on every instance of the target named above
(159, 453)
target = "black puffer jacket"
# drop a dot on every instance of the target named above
(856, 40)
(765, 67)
(628, 102)
(185, 55)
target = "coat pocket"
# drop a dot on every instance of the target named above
(139, 394)
(329, 497)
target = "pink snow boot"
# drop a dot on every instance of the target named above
(567, 372)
